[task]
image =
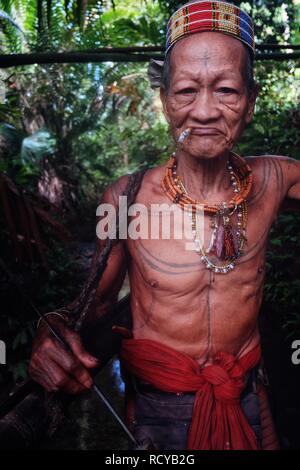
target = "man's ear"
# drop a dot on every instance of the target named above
(163, 98)
(252, 100)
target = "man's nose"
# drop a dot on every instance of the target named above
(205, 107)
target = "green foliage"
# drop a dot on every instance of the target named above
(11, 34)
(273, 129)
(134, 23)
(282, 288)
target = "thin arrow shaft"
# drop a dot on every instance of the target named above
(113, 412)
(94, 385)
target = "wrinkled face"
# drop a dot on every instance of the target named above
(208, 93)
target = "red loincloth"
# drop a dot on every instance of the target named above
(218, 421)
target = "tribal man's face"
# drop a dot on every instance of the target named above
(208, 93)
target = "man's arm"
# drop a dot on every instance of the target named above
(290, 170)
(291, 173)
(51, 365)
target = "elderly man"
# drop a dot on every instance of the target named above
(195, 348)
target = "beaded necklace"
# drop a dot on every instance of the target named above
(226, 242)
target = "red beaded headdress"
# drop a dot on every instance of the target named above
(200, 16)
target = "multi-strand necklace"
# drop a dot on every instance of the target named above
(226, 241)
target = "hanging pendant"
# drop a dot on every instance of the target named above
(230, 243)
(220, 241)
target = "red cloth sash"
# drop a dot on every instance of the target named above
(218, 421)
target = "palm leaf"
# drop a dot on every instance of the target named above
(5, 16)
(11, 33)
(8, 112)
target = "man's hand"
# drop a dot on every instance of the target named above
(57, 369)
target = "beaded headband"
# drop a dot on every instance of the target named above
(223, 17)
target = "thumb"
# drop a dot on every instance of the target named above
(78, 350)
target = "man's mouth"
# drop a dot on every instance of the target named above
(205, 131)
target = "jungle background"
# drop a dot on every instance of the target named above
(68, 130)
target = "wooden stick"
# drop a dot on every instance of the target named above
(114, 55)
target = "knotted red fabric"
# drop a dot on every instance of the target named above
(218, 421)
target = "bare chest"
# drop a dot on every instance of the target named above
(166, 256)
(178, 300)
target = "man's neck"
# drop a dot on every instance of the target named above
(203, 178)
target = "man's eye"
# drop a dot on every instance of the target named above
(226, 90)
(186, 91)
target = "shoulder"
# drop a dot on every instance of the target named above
(154, 175)
(275, 173)
(115, 189)
(280, 166)
(263, 160)
(151, 180)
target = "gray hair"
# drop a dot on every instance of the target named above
(248, 72)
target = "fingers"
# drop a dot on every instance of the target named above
(57, 369)
(83, 356)
(71, 366)
(54, 379)
(40, 377)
